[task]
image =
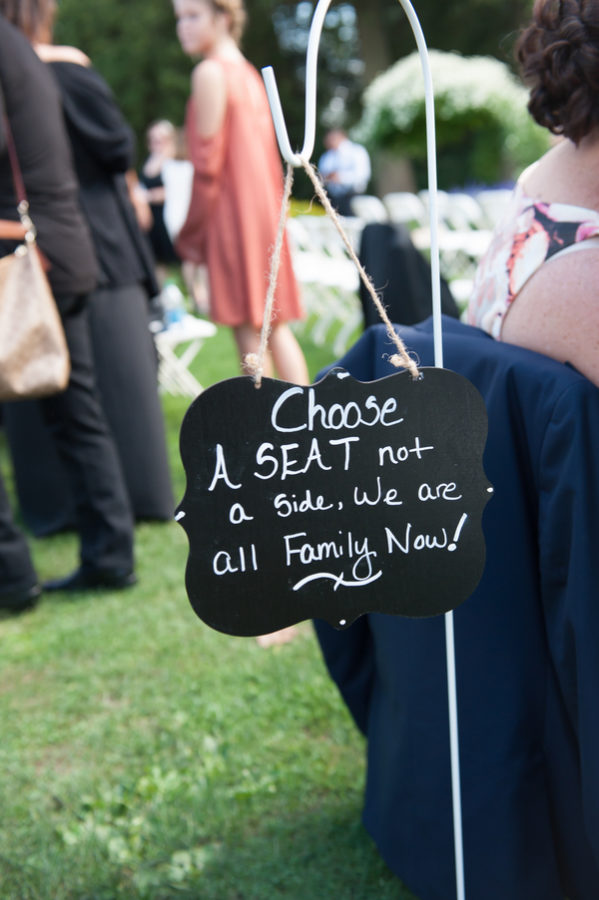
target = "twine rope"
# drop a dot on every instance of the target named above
(401, 358)
(254, 362)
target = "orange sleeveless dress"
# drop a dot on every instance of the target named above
(235, 206)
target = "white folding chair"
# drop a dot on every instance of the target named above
(174, 376)
(405, 208)
(368, 208)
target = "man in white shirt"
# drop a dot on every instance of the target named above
(345, 169)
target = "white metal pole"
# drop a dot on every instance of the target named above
(296, 160)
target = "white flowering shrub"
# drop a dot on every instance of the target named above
(484, 133)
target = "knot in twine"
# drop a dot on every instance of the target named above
(254, 362)
(254, 367)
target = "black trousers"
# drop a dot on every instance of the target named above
(126, 375)
(104, 520)
(16, 567)
(76, 420)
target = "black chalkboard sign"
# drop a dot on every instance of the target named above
(333, 500)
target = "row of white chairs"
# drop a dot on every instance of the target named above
(457, 210)
(466, 223)
(328, 278)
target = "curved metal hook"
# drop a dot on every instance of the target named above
(297, 159)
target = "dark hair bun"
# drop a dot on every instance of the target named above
(559, 60)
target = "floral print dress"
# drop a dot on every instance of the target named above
(529, 234)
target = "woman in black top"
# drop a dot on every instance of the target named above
(103, 152)
(31, 103)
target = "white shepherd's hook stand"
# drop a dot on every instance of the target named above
(303, 157)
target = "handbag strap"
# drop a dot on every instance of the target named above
(15, 168)
(19, 184)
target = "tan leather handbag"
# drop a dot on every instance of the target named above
(34, 358)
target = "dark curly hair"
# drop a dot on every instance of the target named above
(559, 60)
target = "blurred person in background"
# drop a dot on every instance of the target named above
(103, 148)
(161, 138)
(237, 192)
(75, 418)
(167, 189)
(238, 186)
(345, 170)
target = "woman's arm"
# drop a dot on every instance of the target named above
(139, 200)
(207, 150)
(209, 93)
(58, 53)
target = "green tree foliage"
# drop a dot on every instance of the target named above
(470, 27)
(484, 133)
(134, 46)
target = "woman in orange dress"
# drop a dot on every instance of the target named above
(235, 206)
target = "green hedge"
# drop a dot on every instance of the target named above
(484, 133)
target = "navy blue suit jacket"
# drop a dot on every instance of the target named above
(527, 651)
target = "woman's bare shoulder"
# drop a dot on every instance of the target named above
(53, 53)
(207, 74)
(557, 312)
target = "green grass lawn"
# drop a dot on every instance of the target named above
(143, 755)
